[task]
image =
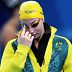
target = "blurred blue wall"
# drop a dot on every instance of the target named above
(58, 13)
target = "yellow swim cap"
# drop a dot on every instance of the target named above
(30, 9)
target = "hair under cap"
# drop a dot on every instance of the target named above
(30, 9)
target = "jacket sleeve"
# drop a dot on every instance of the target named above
(14, 62)
(68, 62)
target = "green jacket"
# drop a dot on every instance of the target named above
(19, 58)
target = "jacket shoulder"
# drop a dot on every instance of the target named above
(10, 44)
(60, 52)
(11, 41)
(61, 44)
(61, 39)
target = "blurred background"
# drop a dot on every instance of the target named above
(57, 13)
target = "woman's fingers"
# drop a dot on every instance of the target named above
(23, 32)
(25, 38)
(29, 36)
(19, 34)
(32, 38)
(26, 34)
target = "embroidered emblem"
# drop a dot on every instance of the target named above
(58, 46)
(30, 11)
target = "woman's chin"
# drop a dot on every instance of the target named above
(36, 37)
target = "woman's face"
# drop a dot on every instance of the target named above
(34, 31)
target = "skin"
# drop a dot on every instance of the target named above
(10, 28)
(34, 33)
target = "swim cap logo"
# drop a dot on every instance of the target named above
(30, 11)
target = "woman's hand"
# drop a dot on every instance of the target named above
(25, 38)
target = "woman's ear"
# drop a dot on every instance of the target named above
(43, 20)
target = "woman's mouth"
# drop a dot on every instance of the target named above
(34, 35)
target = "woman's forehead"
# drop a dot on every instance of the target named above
(29, 20)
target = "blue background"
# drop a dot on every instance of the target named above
(57, 13)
